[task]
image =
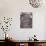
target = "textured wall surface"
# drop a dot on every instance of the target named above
(13, 8)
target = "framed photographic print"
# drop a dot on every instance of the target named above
(26, 20)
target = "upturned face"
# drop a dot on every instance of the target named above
(26, 20)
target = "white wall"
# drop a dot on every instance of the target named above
(13, 8)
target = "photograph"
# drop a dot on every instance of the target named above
(26, 20)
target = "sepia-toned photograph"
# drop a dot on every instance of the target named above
(26, 20)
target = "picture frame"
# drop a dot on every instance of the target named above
(26, 20)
